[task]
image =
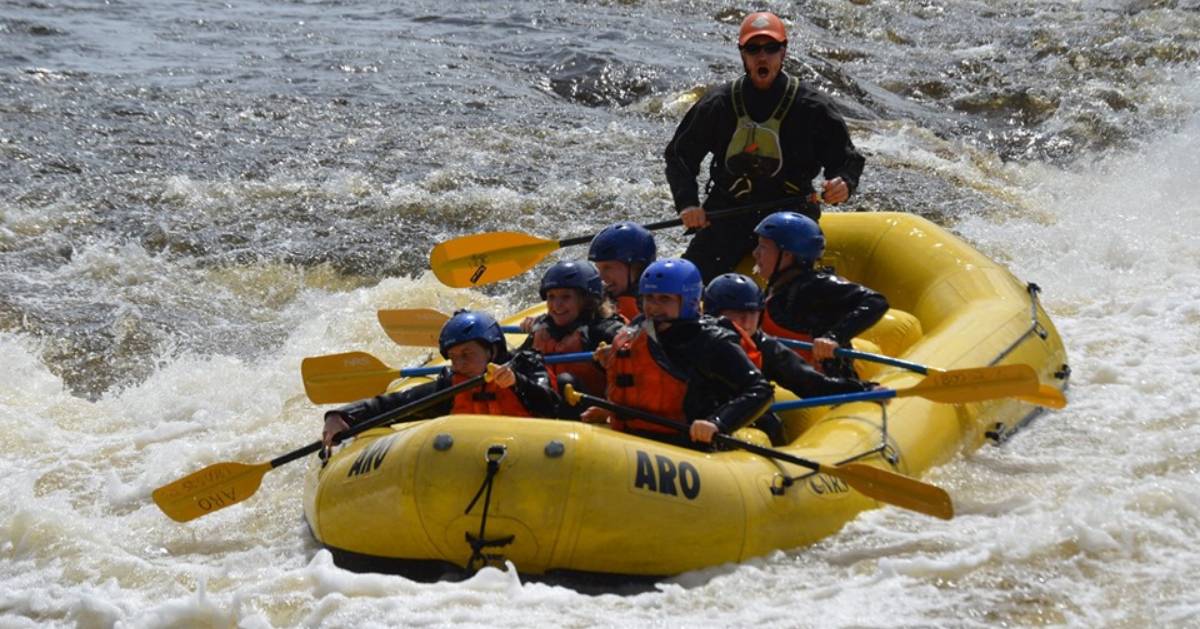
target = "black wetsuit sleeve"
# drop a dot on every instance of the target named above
(725, 362)
(686, 151)
(863, 308)
(362, 410)
(604, 331)
(784, 367)
(533, 385)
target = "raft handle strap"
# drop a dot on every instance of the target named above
(495, 454)
(1035, 325)
(781, 482)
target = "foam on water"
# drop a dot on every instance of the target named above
(1088, 518)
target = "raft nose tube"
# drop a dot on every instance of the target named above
(499, 494)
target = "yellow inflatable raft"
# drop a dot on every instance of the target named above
(551, 496)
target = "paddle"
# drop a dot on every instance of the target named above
(955, 386)
(1046, 395)
(487, 258)
(420, 327)
(356, 375)
(223, 484)
(873, 482)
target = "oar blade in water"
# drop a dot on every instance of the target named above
(895, 489)
(344, 377)
(486, 258)
(210, 489)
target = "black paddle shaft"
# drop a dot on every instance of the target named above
(719, 438)
(712, 216)
(385, 417)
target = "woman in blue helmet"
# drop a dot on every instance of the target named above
(621, 252)
(738, 303)
(805, 303)
(578, 318)
(676, 365)
(470, 340)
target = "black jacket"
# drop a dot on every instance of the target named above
(813, 136)
(723, 386)
(532, 388)
(784, 367)
(821, 304)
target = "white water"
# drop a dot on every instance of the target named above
(1089, 518)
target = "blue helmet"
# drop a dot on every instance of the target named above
(469, 325)
(732, 291)
(794, 233)
(581, 275)
(675, 276)
(624, 242)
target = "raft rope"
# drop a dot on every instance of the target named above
(999, 433)
(781, 482)
(495, 454)
(1035, 325)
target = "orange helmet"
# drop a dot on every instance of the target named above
(762, 23)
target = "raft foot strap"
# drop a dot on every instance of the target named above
(495, 454)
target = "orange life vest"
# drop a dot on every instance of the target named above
(749, 346)
(627, 306)
(588, 375)
(487, 399)
(636, 379)
(774, 329)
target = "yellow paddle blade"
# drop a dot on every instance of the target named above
(894, 489)
(345, 377)
(487, 258)
(958, 386)
(419, 327)
(1047, 396)
(212, 488)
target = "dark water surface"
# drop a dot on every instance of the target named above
(157, 158)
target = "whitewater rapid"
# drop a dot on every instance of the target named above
(1087, 518)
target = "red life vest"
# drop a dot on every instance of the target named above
(774, 329)
(627, 306)
(636, 379)
(487, 399)
(749, 346)
(588, 374)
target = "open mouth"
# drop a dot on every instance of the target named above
(762, 72)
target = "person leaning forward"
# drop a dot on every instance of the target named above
(469, 340)
(769, 137)
(672, 363)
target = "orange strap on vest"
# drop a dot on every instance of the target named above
(627, 306)
(487, 399)
(636, 379)
(774, 329)
(749, 346)
(588, 375)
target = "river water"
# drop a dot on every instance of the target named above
(196, 195)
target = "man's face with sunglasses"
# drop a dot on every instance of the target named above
(763, 59)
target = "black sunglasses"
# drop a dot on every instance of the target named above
(771, 48)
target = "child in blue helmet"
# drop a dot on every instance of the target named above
(674, 364)
(738, 302)
(470, 340)
(621, 252)
(804, 302)
(578, 319)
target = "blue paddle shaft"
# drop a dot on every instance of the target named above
(876, 358)
(828, 400)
